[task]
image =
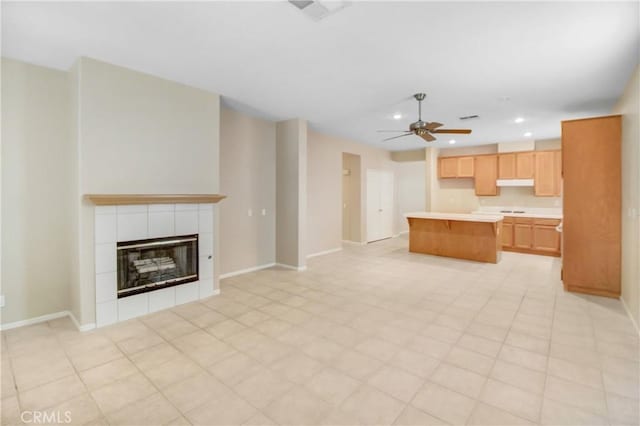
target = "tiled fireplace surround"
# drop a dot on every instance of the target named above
(141, 221)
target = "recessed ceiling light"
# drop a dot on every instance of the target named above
(528, 134)
(519, 120)
(452, 141)
(397, 116)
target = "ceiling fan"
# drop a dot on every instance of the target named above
(424, 129)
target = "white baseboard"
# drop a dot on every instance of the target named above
(216, 292)
(321, 253)
(353, 243)
(246, 270)
(402, 232)
(633, 320)
(36, 320)
(85, 327)
(293, 268)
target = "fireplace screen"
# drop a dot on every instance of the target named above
(147, 265)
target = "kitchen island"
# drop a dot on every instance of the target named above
(463, 236)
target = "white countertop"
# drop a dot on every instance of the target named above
(540, 213)
(492, 218)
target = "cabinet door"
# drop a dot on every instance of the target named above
(486, 173)
(546, 238)
(522, 235)
(544, 184)
(557, 173)
(507, 234)
(465, 167)
(525, 165)
(507, 166)
(447, 167)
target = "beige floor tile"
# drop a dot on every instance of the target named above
(586, 398)
(207, 319)
(514, 400)
(627, 386)
(175, 370)
(228, 409)
(298, 407)
(428, 346)
(123, 392)
(273, 327)
(126, 330)
(156, 355)
(395, 335)
(194, 391)
(556, 413)
(470, 360)
(260, 419)
(411, 416)
(262, 388)
(225, 328)
(487, 331)
(396, 383)
(523, 358)
(151, 410)
(481, 345)
(95, 356)
(576, 373)
(371, 406)
(487, 415)
(269, 351)
(81, 410)
(528, 343)
(51, 394)
(179, 421)
(107, 373)
(332, 386)
(415, 363)
(520, 377)
(575, 354)
(297, 367)
(236, 368)
(443, 403)
(378, 349)
(135, 344)
(322, 350)
(623, 410)
(356, 365)
(34, 370)
(251, 318)
(458, 379)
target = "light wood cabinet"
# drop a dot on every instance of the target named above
(456, 167)
(516, 165)
(529, 235)
(547, 181)
(486, 173)
(592, 186)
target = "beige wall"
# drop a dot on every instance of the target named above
(410, 191)
(36, 191)
(291, 187)
(324, 197)
(137, 133)
(248, 179)
(628, 106)
(458, 195)
(351, 197)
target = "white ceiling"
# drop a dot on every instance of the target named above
(349, 73)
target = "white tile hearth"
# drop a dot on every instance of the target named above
(135, 222)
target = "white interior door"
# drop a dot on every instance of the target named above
(379, 204)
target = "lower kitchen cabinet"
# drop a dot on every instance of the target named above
(531, 235)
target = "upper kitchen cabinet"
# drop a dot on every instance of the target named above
(591, 168)
(516, 165)
(486, 174)
(548, 174)
(455, 167)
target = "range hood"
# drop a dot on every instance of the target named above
(514, 182)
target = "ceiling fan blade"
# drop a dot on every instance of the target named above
(396, 137)
(397, 131)
(461, 131)
(427, 137)
(434, 125)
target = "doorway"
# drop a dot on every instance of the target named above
(380, 195)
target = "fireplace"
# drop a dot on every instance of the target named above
(152, 264)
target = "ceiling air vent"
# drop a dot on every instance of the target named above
(317, 9)
(469, 117)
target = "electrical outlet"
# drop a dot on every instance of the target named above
(250, 212)
(264, 212)
(2, 301)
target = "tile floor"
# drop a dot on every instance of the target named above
(369, 335)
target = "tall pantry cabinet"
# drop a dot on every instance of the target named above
(591, 226)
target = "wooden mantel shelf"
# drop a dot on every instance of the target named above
(119, 199)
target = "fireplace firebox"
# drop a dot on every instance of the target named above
(152, 264)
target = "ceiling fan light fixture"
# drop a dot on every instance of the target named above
(397, 116)
(528, 134)
(518, 120)
(452, 141)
